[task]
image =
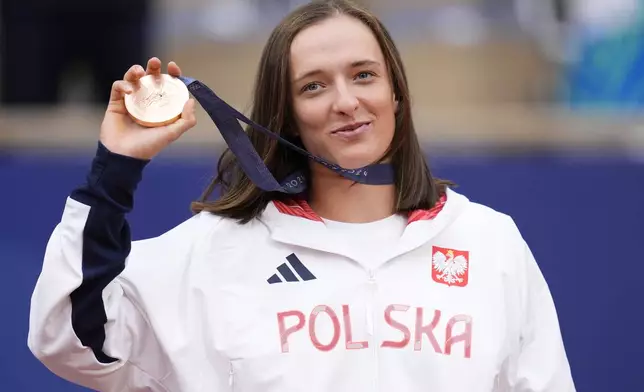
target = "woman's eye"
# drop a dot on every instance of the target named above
(311, 87)
(364, 75)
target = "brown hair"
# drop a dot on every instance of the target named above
(240, 199)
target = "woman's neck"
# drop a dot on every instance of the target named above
(333, 197)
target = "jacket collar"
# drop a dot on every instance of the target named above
(293, 222)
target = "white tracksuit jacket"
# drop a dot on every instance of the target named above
(459, 305)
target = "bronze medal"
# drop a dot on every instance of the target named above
(157, 100)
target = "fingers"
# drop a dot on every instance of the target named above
(154, 67)
(136, 72)
(173, 69)
(187, 120)
(131, 78)
(119, 89)
(133, 74)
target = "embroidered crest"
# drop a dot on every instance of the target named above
(450, 266)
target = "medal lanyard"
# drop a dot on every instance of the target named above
(227, 118)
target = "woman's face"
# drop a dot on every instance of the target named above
(342, 97)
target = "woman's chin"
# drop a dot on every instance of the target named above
(355, 157)
(357, 162)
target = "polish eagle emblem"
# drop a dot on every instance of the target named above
(450, 266)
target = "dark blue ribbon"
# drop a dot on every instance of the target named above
(227, 118)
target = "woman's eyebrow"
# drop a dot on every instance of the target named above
(355, 64)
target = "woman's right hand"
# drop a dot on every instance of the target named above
(121, 135)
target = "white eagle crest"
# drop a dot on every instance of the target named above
(449, 267)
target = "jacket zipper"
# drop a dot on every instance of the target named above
(231, 378)
(372, 326)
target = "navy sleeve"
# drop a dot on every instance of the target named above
(112, 180)
(109, 192)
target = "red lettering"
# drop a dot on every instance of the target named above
(348, 335)
(336, 328)
(285, 332)
(292, 321)
(395, 324)
(465, 337)
(427, 330)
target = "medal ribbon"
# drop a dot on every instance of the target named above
(227, 118)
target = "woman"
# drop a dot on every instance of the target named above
(351, 287)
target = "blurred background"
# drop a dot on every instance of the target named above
(533, 107)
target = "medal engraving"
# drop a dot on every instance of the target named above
(157, 100)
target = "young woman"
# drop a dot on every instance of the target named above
(350, 287)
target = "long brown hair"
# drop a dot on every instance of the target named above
(240, 199)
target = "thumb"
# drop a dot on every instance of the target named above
(185, 122)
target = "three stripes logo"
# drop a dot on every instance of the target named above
(288, 274)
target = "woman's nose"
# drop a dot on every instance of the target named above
(345, 100)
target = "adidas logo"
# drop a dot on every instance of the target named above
(288, 274)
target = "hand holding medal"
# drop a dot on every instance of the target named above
(147, 111)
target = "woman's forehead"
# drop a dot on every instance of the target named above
(341, 40)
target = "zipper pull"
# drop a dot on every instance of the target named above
(231, 376)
